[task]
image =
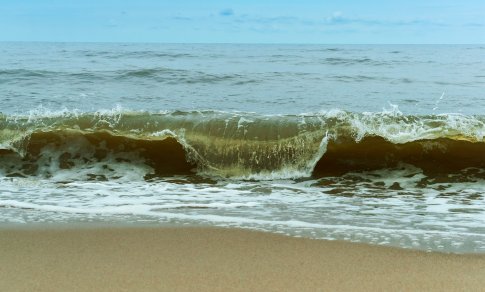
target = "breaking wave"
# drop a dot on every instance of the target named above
(118, 143)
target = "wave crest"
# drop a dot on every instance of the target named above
(243, 145)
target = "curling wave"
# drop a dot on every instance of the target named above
(239, 145)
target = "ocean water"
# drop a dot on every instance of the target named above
(382, 144)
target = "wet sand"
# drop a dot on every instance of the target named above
(210, 259)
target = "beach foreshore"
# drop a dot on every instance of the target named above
(212, 259)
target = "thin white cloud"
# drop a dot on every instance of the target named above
(337, 18)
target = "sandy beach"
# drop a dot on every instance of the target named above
(208, 259)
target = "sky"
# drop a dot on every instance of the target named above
(245, 21)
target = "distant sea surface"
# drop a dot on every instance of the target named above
(382, 144)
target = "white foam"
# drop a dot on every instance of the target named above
(163, 133)
(141, 209)
(372, 214)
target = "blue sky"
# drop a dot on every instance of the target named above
(248, 21)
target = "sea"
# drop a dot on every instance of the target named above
(378, 144)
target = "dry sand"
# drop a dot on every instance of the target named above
(207, 259)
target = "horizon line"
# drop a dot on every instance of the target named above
(226, 43)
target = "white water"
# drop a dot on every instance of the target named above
(441, 217)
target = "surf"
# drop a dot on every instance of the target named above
(239, 145)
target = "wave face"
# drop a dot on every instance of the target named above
(433, 156)
(238, 145)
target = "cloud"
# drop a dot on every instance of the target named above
(337, 18)
(474, 24)
(182, 18)
(226, 12)
(271, 20)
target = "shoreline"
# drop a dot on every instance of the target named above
(104, 225)
(121, 258)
